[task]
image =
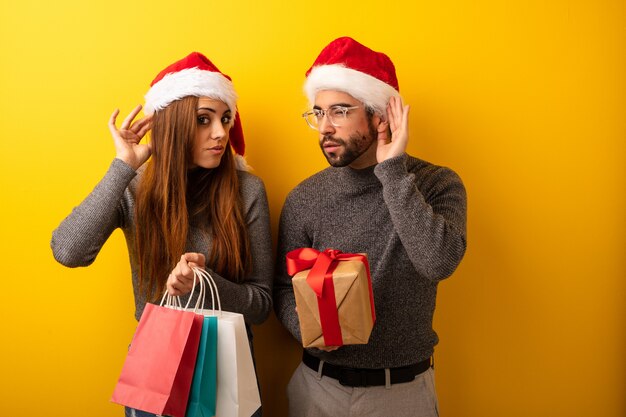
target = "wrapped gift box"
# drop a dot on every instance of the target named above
(336, 307)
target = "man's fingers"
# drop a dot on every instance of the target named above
(405, 116)
(391, 116)
(395, 113)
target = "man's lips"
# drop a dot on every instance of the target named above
(331, 146)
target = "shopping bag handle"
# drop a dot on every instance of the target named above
(200, 301)
(201, 279)
(205, 279)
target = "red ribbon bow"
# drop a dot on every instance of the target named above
(320, 279)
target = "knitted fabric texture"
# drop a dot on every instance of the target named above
(111, 205)
(409, 217)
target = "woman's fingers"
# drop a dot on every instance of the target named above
(196, 258)
(138, 124)
(112, 119)
(180, 281)
(128, 120)
(185, 269)
(178, 285)
(171, 286)
(142, 126)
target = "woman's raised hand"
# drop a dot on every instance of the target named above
(128, 136)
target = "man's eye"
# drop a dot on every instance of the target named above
(338, 111)
(203, 120)
(318, 113)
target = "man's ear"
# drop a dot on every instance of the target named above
(383, 126)
(379, 122)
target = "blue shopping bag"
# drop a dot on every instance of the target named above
(202, 397)
(237, 393)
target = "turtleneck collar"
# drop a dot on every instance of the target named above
(360, 177)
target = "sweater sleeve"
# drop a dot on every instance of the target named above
(429, 216)
(253, 297)
(291, 235)
(80, 236)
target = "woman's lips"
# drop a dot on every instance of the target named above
(216, 149)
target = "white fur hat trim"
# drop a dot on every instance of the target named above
(190, 82)
(373, 92)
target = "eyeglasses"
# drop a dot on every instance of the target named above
(337, 116)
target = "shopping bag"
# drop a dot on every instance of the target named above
(203, 388)
(237, 388)
(158, 370)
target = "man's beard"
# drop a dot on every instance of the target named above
(355, 146)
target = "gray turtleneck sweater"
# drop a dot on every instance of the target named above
(409, 217)
(111, 205)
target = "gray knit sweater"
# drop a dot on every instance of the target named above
(409, 217)
(79, 238)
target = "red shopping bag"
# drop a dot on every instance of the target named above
(159, 367)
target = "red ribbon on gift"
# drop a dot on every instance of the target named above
(320, 279)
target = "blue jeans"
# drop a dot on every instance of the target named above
(131, 412)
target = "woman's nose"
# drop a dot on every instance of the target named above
(218, 131)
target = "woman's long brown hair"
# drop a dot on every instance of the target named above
(170, 197)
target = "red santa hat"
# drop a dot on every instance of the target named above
(195, 75)
(348, 66)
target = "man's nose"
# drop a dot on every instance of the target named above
(325, 126)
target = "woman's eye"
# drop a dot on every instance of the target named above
(203, 120)
(226, 120)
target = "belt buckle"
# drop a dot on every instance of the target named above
(351, 377)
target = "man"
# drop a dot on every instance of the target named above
(406, 214)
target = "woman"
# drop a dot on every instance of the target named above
(191, 204)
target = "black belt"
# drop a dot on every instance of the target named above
(354, 377)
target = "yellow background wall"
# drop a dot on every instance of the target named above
(524, 99)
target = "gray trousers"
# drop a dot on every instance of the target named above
(310, 395)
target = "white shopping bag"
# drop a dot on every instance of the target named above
(237, 389)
